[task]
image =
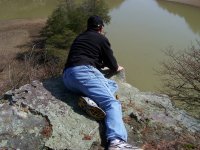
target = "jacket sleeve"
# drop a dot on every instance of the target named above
(108, 58)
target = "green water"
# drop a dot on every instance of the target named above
(20, 9)
(138, 32)
(141, 29)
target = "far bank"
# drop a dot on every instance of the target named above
(188, 2)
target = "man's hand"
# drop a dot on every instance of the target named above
(120, 68)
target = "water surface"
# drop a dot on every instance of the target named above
(141, 29)
(26, 9)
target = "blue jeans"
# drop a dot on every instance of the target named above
(90, 82)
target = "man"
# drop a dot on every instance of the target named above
(89, 53)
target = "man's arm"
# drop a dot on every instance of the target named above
(108, 58)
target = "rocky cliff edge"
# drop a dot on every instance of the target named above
(43, 115)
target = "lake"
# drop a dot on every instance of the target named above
(139, 31)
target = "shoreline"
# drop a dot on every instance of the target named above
(195, 3)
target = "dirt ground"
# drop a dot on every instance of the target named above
(15, 36)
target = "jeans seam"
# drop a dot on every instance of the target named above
(103, 83)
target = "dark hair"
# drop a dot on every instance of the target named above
(95, 22)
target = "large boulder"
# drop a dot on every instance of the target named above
(43, 115)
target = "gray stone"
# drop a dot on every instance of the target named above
(43, 115)
(20, 129)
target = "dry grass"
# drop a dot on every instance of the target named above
(21, 57)
(28, 66)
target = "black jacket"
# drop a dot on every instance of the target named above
(91, 48)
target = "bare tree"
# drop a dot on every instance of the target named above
(181, 75)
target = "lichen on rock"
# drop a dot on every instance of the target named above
(44, 115)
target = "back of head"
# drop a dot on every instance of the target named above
(95, 23)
